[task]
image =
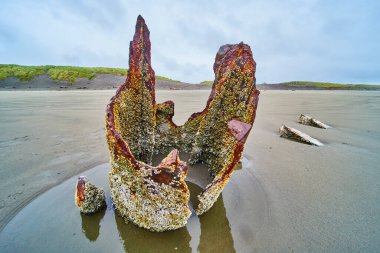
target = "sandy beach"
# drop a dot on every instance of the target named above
(308, 199)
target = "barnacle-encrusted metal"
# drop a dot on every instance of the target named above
(88, 197)
(157, 198)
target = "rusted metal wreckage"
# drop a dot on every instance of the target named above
(157, 198)
(88, 197)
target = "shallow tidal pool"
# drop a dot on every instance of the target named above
(52, 222)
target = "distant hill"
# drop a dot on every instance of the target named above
(307, 85)
(60, 73)
(49, 77)
(17, 77)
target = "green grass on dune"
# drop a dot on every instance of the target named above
(71, 74)
(62, 73)
(207, 82)
(165, 79)
(331, 85)
(24, 73)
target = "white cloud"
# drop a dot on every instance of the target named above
(290, 40)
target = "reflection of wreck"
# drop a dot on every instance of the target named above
(157, 198)
(215, 235)
(91, 224)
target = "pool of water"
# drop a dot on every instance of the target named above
(52, 222)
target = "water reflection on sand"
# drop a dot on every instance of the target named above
(214, 230)
(215, 234)
(91, 224)
(52, 223)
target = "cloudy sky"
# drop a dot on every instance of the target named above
(336, 41)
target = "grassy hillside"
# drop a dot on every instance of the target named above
(295, 84)
(330, 85)
(207, 82)
(62, 73)
(70, 74)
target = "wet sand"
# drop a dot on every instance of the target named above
(54, 213)
(306, 198)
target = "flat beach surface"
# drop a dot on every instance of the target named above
(312, 199)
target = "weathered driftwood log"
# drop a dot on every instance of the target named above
(307, 120)
(88, 197)
(291, 133)
(157, 198)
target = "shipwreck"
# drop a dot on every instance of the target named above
(157, 197)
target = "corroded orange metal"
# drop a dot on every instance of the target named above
(157, 198)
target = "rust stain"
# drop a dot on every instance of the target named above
(137, 128)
